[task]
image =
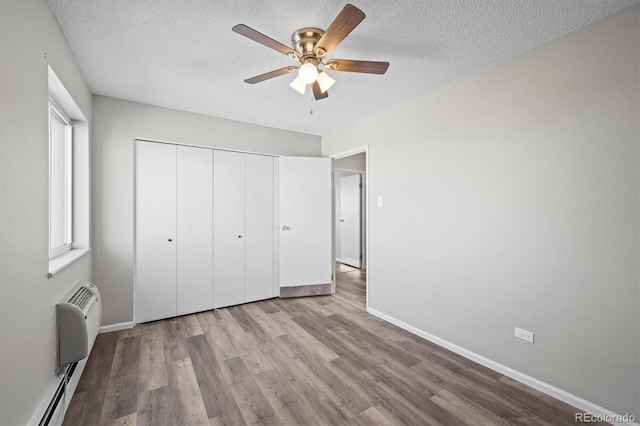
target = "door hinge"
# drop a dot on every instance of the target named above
(331, 277)
(360, 184)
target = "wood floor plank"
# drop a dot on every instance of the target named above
(184, 381)
(255, 408)
(372, 343)
(325, 379)
(465, 411)
(481, 393)
(372, 417)
(99, 363)
(246, 347)
(267, 306)
(391, 408)
(76, 407)
(284, 399)
(217, 338)
(152, 370)
(400, 414)
(268, 324)
(289, 307)
(340, 348)
(317, 403)
(130, 420)
(301, 336)
(216, 395)
(243, 319)
(173, 341)
(159, 407)
(189, 326)
(452, 361)
(122, 389)
(316, 305)
(545, 409)
(412, 395)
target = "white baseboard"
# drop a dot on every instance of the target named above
(58, 415)
(116, 327)
(71, 386)
(564, 396)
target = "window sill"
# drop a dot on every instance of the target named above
(59, 263)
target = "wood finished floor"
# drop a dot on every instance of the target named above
(309, 361)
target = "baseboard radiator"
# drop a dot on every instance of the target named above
(78, 318)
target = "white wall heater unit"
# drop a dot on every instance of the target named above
(79, 316)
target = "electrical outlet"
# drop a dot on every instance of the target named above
(380, 201)
(524, 335)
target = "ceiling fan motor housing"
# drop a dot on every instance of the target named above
(304, 41)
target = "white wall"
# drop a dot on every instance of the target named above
(29, 41)
(512, 199)
(352, 162)
(116, 124)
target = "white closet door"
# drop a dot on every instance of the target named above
(155, 273)
(305, 226)
(228, 228)
(258, 281)
(195, 230)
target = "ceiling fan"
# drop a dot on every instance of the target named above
(311, 46)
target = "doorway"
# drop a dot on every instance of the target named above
(350, 230)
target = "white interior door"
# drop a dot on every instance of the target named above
(305, 257)
(228, 228)
(195, 229)
(350, 226)
(259, 215)
(155, 251)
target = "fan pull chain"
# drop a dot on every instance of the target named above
(311, 105)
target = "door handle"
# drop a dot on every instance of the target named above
(341, 220)
(285, 228)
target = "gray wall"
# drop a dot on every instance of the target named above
(29, 40)
(512, 199)
(117, 123)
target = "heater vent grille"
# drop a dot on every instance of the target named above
(81, 297)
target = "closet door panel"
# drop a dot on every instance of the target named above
(259, 223)
(228, 228)
(305, 241)
(194, 205)
(155, 250)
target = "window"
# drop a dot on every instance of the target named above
(69, 196)
(60, 181)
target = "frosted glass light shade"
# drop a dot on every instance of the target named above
(308, 73)
(298, 85)
(325, 81)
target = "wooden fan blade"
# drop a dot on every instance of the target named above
(317, 92)
(270, 74)
(345, 22)
(348, 65)
(262, 39)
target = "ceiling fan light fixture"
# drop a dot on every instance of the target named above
(310, 45)
(325, 81)
(298, 85)
(308, 73)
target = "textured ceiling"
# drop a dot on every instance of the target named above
(182, 54)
